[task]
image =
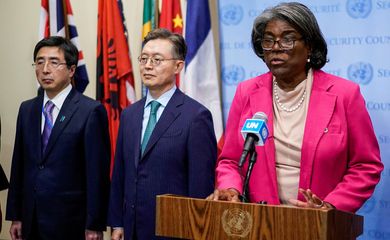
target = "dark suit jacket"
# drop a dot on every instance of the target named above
(179, 159)
(66, 188)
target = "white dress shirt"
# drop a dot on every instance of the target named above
(163, 100)
(58, 101)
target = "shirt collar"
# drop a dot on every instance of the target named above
(59, 99)
(163, 99)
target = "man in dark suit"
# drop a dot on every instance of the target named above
(59, 181)
(177, 156)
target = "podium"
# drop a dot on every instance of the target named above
(190, 218)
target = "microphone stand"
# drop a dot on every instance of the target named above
(252, 161)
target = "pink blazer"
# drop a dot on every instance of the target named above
(340, 160)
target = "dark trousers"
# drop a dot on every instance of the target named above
(34, 233)
(41, 233)
(134, 234)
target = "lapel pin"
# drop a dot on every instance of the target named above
(62, 118)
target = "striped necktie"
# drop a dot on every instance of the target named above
(47, 112)
(154, 105)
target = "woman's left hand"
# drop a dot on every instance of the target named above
(312, 201)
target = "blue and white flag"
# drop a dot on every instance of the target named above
(201, 80)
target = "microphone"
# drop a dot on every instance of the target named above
(255, 132)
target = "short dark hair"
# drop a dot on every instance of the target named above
(303, 20)
(177, 40)
(71, 53)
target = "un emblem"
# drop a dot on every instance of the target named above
(231, 14)
(233, 74)
(359, 8)
(368, 206)
(360, 73)
(236, 222)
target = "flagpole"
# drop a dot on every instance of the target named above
(66, 22)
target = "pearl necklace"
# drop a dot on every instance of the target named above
(284, 108)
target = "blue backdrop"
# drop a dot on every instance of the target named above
(358, 37)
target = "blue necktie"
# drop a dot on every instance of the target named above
(47, 112)
(154, 105)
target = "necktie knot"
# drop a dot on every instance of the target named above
(49, 106)
(154, 105)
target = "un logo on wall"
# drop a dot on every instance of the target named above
(233, 74)
(231, 14)
(359, 8)
(360, 73)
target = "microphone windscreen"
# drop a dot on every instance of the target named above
(261, 115)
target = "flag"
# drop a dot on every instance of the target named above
(201, 80)
(57, 20)
(149, 18)
(171, 19)
(149, 23)
(114, 73)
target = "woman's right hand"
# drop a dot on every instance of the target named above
(231, 195)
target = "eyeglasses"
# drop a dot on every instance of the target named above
(285, 43)
(155, 61)
(52, 64)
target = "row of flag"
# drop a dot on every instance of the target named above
(115, 81)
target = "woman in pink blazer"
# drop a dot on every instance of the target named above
(321, 150)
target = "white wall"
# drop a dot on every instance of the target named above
(19, 22)
(19, 29)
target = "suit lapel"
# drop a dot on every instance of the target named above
(321, 108)
(171, 112)
(36, 121)
(63, 118)
(137, 123)
(261, 101)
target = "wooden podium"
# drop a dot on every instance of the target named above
(191, 218)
